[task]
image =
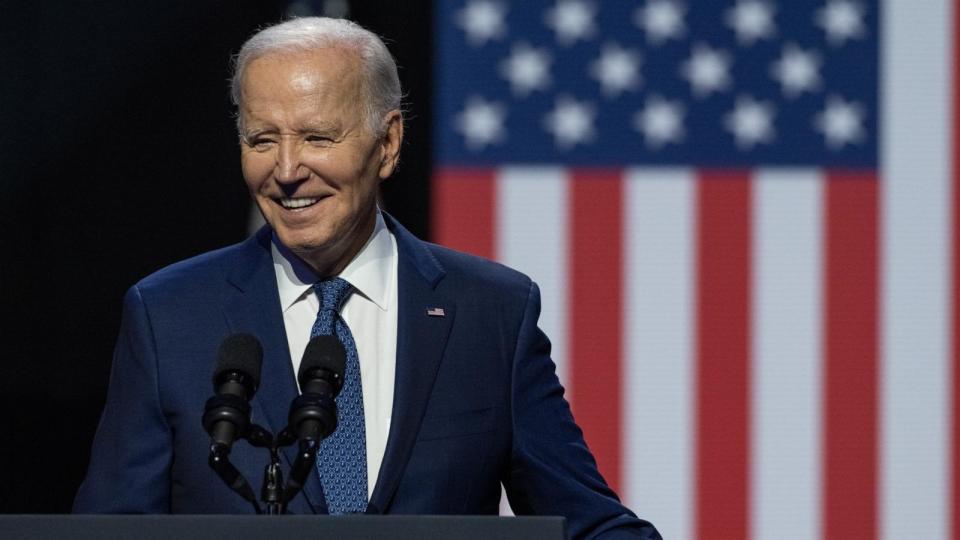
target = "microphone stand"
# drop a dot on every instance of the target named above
(303, 464)
(274, 493)
(259, 437)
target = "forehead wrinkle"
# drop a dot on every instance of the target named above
(315, 125)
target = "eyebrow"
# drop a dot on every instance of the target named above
(251, 133)
(323, 127)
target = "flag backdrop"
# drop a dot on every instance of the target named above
(741, 215)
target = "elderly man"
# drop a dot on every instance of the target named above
(449, 388)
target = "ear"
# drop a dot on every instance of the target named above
(390, 143)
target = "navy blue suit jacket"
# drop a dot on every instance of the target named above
(476, 399)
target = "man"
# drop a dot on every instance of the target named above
(452, 387)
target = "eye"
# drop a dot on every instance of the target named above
(319, 140)
(259, 142)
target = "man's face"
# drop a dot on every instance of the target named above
(308, 158)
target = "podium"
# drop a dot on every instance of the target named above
(227, 527)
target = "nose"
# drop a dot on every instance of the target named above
(289, 167)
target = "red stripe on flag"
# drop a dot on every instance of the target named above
(723, 337)
(463, 210)
(595, 262)
(850, 370)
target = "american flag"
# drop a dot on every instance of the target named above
(741, 215)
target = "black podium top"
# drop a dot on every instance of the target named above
(228, 527)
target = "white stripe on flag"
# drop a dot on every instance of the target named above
(531, 236)
(786, 367)
(658, 410)
(915, 188)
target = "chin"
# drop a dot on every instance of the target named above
(301, 245)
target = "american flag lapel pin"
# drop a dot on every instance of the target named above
(435, 312)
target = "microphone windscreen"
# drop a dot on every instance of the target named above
(324, 352)
(239, 352)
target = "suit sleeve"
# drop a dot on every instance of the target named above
(130, 461)
(552, 471)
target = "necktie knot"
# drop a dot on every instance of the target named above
(332, 292)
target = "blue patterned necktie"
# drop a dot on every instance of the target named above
(342, 458)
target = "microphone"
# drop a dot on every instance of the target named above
(313, 415)
(236, 377)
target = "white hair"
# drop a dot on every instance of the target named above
(380, 83)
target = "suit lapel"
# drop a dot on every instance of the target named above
(252, 304)
(421, 339)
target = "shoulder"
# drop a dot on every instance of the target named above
(460, 274)
(463, 268)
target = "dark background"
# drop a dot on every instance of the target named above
(118, 156)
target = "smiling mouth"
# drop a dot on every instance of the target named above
(297, 203)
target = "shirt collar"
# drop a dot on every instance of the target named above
(368, 272)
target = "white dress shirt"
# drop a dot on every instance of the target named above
(371, 314)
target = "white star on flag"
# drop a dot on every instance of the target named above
(571, 122)
(617, 69)
(481, 123)
(841, 20)
(572, 20)
(661, 20)
(660, 121)
(527, 68)
(483, 21)
(797, 71)
(751, 122)
(752, 20)
(841, 122)
(708, 70)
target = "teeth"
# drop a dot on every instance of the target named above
(298, 202)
